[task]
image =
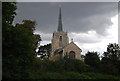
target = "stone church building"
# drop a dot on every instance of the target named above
(61, 48)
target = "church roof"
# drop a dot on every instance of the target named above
(61, 49)
(73, 44)
(58, 51)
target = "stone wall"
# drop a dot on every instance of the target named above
(56, 43)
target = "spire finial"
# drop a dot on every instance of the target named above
(60, 21)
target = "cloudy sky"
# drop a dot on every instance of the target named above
(92, 25)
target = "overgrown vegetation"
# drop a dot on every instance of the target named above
(18, 44)
(19, 57)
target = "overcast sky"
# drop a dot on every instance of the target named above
(92, 25)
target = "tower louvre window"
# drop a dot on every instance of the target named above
(60, 38)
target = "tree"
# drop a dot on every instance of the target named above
(37, 41)
(20, 53)
(8, 13)
(18, 45)
(107, 66)
(113, 52)
(110, 62)
(92, 59)
(28, 24)
(76, 65)
(44, 50)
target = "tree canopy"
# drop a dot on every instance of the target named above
(113, 52)
(110, 62)
(19, 43)
(92, 59)
(8, 12)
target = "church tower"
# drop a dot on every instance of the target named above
(59, 38)
(61, 48)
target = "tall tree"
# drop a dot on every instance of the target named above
(28, 24)
(113, 51)
(21, 53)
(92, 59)
(110, 62)
(18, 44)
(8, 12)
(107, 66)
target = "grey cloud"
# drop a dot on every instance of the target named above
(44, 36)
(76, 16)
(85, 38)
(99, 23)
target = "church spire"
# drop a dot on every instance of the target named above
(60, 22)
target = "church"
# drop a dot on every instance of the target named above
(61, 48)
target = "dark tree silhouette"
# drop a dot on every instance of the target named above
(45, 51)
(113, 52)
(92, 59)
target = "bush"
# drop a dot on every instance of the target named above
(100, 76)
(49, 75)
(107, 66)
(76, 66)
(76, 75)
(61, 66)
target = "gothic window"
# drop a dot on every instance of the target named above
(60, 38)
(72, 55)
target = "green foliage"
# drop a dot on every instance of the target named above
(38, 39)
(113, 52)
(30, 27)
(111, 59)
(45, 49)
(59, 66)
(28, 24)
(18, 43)
(75, 75)
(18, 52)
(76, 66)
(108, 67)
(46, 75)
(8, 12)
(101, 76)
(49, 75)
(62, 66)
(56, 70)
(92, 59)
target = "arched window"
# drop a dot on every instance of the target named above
(72, 55)
(60, 38)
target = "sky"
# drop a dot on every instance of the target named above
(91, 25)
